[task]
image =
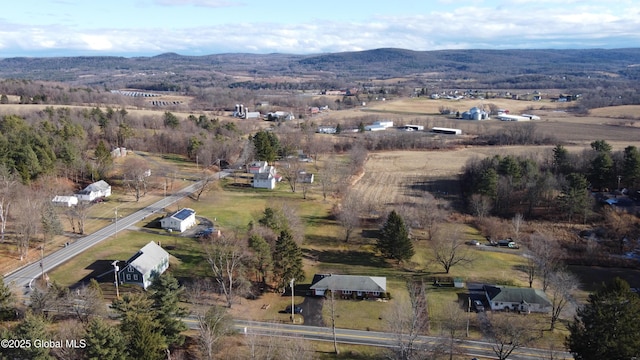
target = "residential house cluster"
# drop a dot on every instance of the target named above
(97, 190)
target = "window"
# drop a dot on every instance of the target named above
(347, 292)
(135, 277)
(375, 293)
(128, 277)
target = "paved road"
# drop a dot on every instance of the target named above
(380, 339)
(24, 276)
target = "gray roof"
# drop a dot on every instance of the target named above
(263, 176)
(351, 282)
(516, 295)
(98, 186)
(148, 257)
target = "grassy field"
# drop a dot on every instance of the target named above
(386, 182)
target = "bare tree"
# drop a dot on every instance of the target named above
(331, 175)
(562, 285)
(26, 227)
(509, 332)
(449, 250)
(547, 254)
(212, 327)
(429, 215)
(407, 321)
(452, 323)
(81, 213)
(530, 267)
(348, 213)
(67, 332)
(8, 184)
(206, 183)
(135, 172)
(480, 205)
(227, 258)
(290, 169)
(86, 302)
(517, 222)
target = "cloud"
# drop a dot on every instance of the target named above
(504, 26)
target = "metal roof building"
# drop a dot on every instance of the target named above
(180, 220)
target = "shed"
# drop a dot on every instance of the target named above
(149, 262)
(67, 201)
(180, 220)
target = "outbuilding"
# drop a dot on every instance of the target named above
(180, 220)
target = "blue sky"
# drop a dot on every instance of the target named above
(199, 27)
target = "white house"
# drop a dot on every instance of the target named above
(508, 298)
(180, 220)
(94, 191)
(349, 286)
(264, 180)
(258, 167)
(149, 262)
(67, 201)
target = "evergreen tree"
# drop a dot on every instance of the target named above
(601, 170)
(147, 342)
(142, 332)
(561, 159)
(165, 292)
(607, 327)
(631, 167)
(104, 342)
(274, 220)
(394, 242)
(574, 197)
(4, 99)
(32, 327)
(287, 260)
(266, 146)
(262, 259)
(6, 299)
(601, 146)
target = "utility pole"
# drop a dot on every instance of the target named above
(42, 261)
(292, 307)
(115, 276)
(116, 233)
(468, 315)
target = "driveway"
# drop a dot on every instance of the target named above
(312, 310)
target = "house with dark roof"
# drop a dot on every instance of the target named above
(98, 189)
(149, 262)
(180, 220)
(506, 298)
(349, 286)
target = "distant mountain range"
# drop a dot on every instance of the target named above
(613, 64)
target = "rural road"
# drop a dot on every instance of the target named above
(23, 277)
(381, 339)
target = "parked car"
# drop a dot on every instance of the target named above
(296, 310)
(473, 242)
(477, 305)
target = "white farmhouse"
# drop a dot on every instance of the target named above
(94, 191)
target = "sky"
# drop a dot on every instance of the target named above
(200, 27)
